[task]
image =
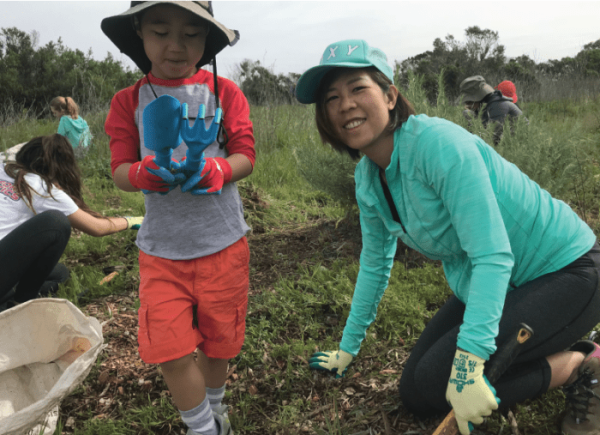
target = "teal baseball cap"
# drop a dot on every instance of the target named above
(351, 53)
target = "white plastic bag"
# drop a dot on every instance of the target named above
(10, 155)
(47, 348)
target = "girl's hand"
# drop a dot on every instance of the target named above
(469, 392)
(134, 223)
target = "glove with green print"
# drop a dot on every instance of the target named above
(469, 392)
(134, 222)
(332, 361)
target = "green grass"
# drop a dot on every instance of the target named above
(298, 184)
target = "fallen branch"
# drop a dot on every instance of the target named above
(318, 411)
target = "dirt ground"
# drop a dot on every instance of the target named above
(123, 379)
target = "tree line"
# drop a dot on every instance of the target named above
(482, 54)
(30, 76)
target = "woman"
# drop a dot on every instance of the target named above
(511, 253)
(40, 197)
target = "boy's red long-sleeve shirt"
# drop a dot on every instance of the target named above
(122, 120)
(181, 226)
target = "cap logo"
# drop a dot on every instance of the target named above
(332, 52)
(351, 49)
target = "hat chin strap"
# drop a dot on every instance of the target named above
(222, 137)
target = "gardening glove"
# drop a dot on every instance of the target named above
(149, 177)
(214, 172)
(134, 222)
(333, 361)
(469, 392)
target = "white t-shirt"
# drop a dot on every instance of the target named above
(14, 211)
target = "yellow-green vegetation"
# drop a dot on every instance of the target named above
(305, 245)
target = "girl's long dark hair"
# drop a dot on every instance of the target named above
(52, 158)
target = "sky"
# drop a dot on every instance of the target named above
(290, 36)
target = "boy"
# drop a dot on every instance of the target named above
(193, 250)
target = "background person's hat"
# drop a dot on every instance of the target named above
(121, 31)
(351, 53)
(508, 89)
(474, 89)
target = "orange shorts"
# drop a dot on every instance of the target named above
(216, 286)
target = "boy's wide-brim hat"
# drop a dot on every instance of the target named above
(351, 53)
(474, 89)
(122, 32)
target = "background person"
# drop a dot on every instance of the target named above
(71, 125)
(481, 100)
(40, 200)
(511, 253)
(193, 250)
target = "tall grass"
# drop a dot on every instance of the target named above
(557, 150)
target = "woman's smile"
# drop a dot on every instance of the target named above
(354, 123)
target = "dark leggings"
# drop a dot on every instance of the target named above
(29, 256)
(560, 307)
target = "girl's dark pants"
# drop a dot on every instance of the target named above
(29, 256)
(560, 307)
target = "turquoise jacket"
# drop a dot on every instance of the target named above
(460, 202)
(76, 130)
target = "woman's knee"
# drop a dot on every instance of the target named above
(422, 390)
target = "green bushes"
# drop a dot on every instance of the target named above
(30, 76)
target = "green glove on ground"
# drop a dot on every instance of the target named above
(134, 222)
(469, 392)
(333, 361)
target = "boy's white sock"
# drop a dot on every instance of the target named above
(200, 419)
(215, 396)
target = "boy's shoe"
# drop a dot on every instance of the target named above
(583, 395)
(220, 414)
(222, 420)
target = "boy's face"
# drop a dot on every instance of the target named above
(174, 41)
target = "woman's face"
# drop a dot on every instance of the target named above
(358, 109)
